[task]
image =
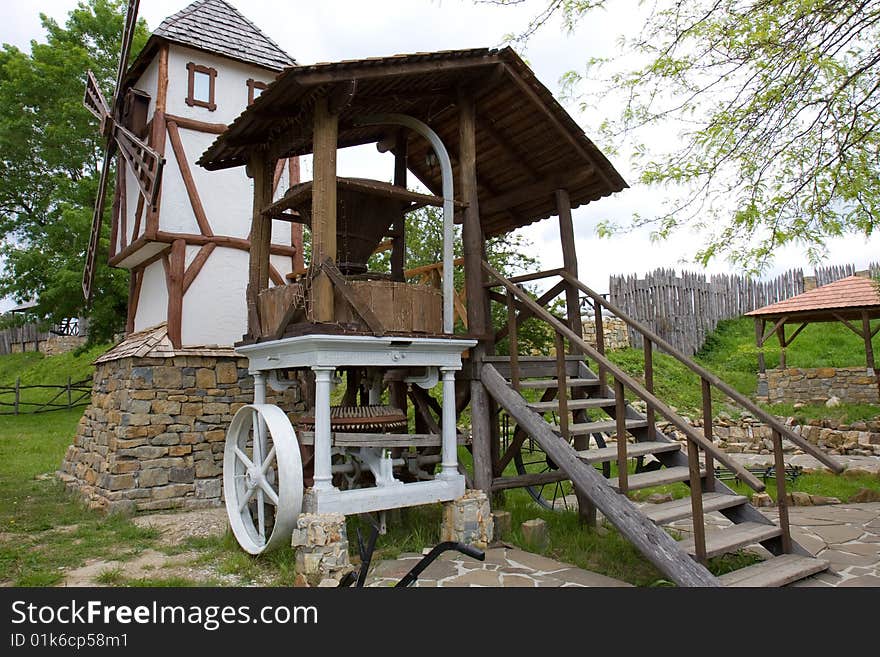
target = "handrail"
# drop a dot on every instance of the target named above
(706, 375)
(623, 378)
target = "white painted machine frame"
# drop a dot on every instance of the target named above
(323, 354)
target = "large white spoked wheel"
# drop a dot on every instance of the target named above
(262, 477)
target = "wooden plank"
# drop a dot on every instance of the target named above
(521, 481)
(573, 404)
(774, 572)
(197, 126)
(362, 309)
(698, 523)
(620, 429)
(732, 538)
(609, 453)
(654, 478)
(326, 127)
(681, 508)
(781, 502)
(259, 240)
(649, 539)
(602, 426)
(551, 383)
(351, 439)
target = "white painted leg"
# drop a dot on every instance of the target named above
(259, 423)
(323, 473)
(449, 465)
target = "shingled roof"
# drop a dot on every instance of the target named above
(216, 26)
(841, 297)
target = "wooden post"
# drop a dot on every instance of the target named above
(17, 391)
(562, 387)
(477, 299)
(262, 170)
(650, 415)
(569, 259)
(600, 339)
(398, 240)
(697, 501)
(620, 416)
(177, 263)
(513, 342)
(869, 350)
(707, 432)
(781, 502)
(780, 333)
(326, 129)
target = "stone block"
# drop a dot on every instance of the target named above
(179, 450)
(762, 500)
(150, 452)
(153, 477)
(207, 468)
(214, 408)
(168, 377)
(181, 475)
(117, 482)
(205, 378)
(166, 439)
(501, 524)
(172, 490)
(208, 488)
(215, 436)
(124, 466)
(165, 406)
(535, 533)
(468, 519)
(227, 373)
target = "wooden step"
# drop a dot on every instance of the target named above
(604, 426)
(541, 384)
(573, 404)
(776, 571)
(656, 478)
(530, 359)
(603, 454)
(681, 508)
(732, 538)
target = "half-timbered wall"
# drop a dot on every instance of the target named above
(209, 211)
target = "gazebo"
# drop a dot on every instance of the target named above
(854, 301)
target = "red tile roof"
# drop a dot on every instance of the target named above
(847, 293)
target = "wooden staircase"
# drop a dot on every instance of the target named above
(578, 407)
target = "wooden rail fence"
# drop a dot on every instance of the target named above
(69, 395)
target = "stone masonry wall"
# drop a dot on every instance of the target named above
(817, 385)
(614, 331)
(153, 435)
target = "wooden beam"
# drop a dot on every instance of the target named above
(196, 265)
(398, 243)
(796, 333)
(176, 264)
(543, 188)
(261, 169)
(326, 130)
(158, 132)
(846, 323)
(517, 156)
(525, 313)
(221, 240)
(197, 126)
(189, 183)
(775, 328)
(351, 297)
(134, 295)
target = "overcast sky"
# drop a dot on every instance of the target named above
(331, 30)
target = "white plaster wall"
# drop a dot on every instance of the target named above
(214, 311)
(230, 93)
(153, 300)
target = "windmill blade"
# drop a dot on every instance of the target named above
(94, 100)
(125, 50)
(97, 220)
(145, 163)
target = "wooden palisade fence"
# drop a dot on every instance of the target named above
(684, 308)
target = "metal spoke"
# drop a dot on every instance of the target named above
(261, 514)
(270, 457)
(243, 457)
(246, 499)
(268, 490)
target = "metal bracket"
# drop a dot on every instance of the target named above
(275, 382)
(381, 464)
(428, 380)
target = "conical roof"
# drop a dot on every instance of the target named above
(217, 27)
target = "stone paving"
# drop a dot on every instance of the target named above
(505, 566)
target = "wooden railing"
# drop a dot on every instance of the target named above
(74, 393)
(696, 442)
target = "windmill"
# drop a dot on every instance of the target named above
(145, 163)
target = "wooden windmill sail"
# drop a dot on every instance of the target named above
(144, 162)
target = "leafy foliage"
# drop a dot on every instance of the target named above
(777, 111)
(50, 160)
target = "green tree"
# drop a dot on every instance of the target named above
(776, 105)
(50, 159)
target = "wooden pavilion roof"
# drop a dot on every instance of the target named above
(848, 298)
(528, 146)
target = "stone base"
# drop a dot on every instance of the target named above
(153, 436)
(321, 544)
(468, 519)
